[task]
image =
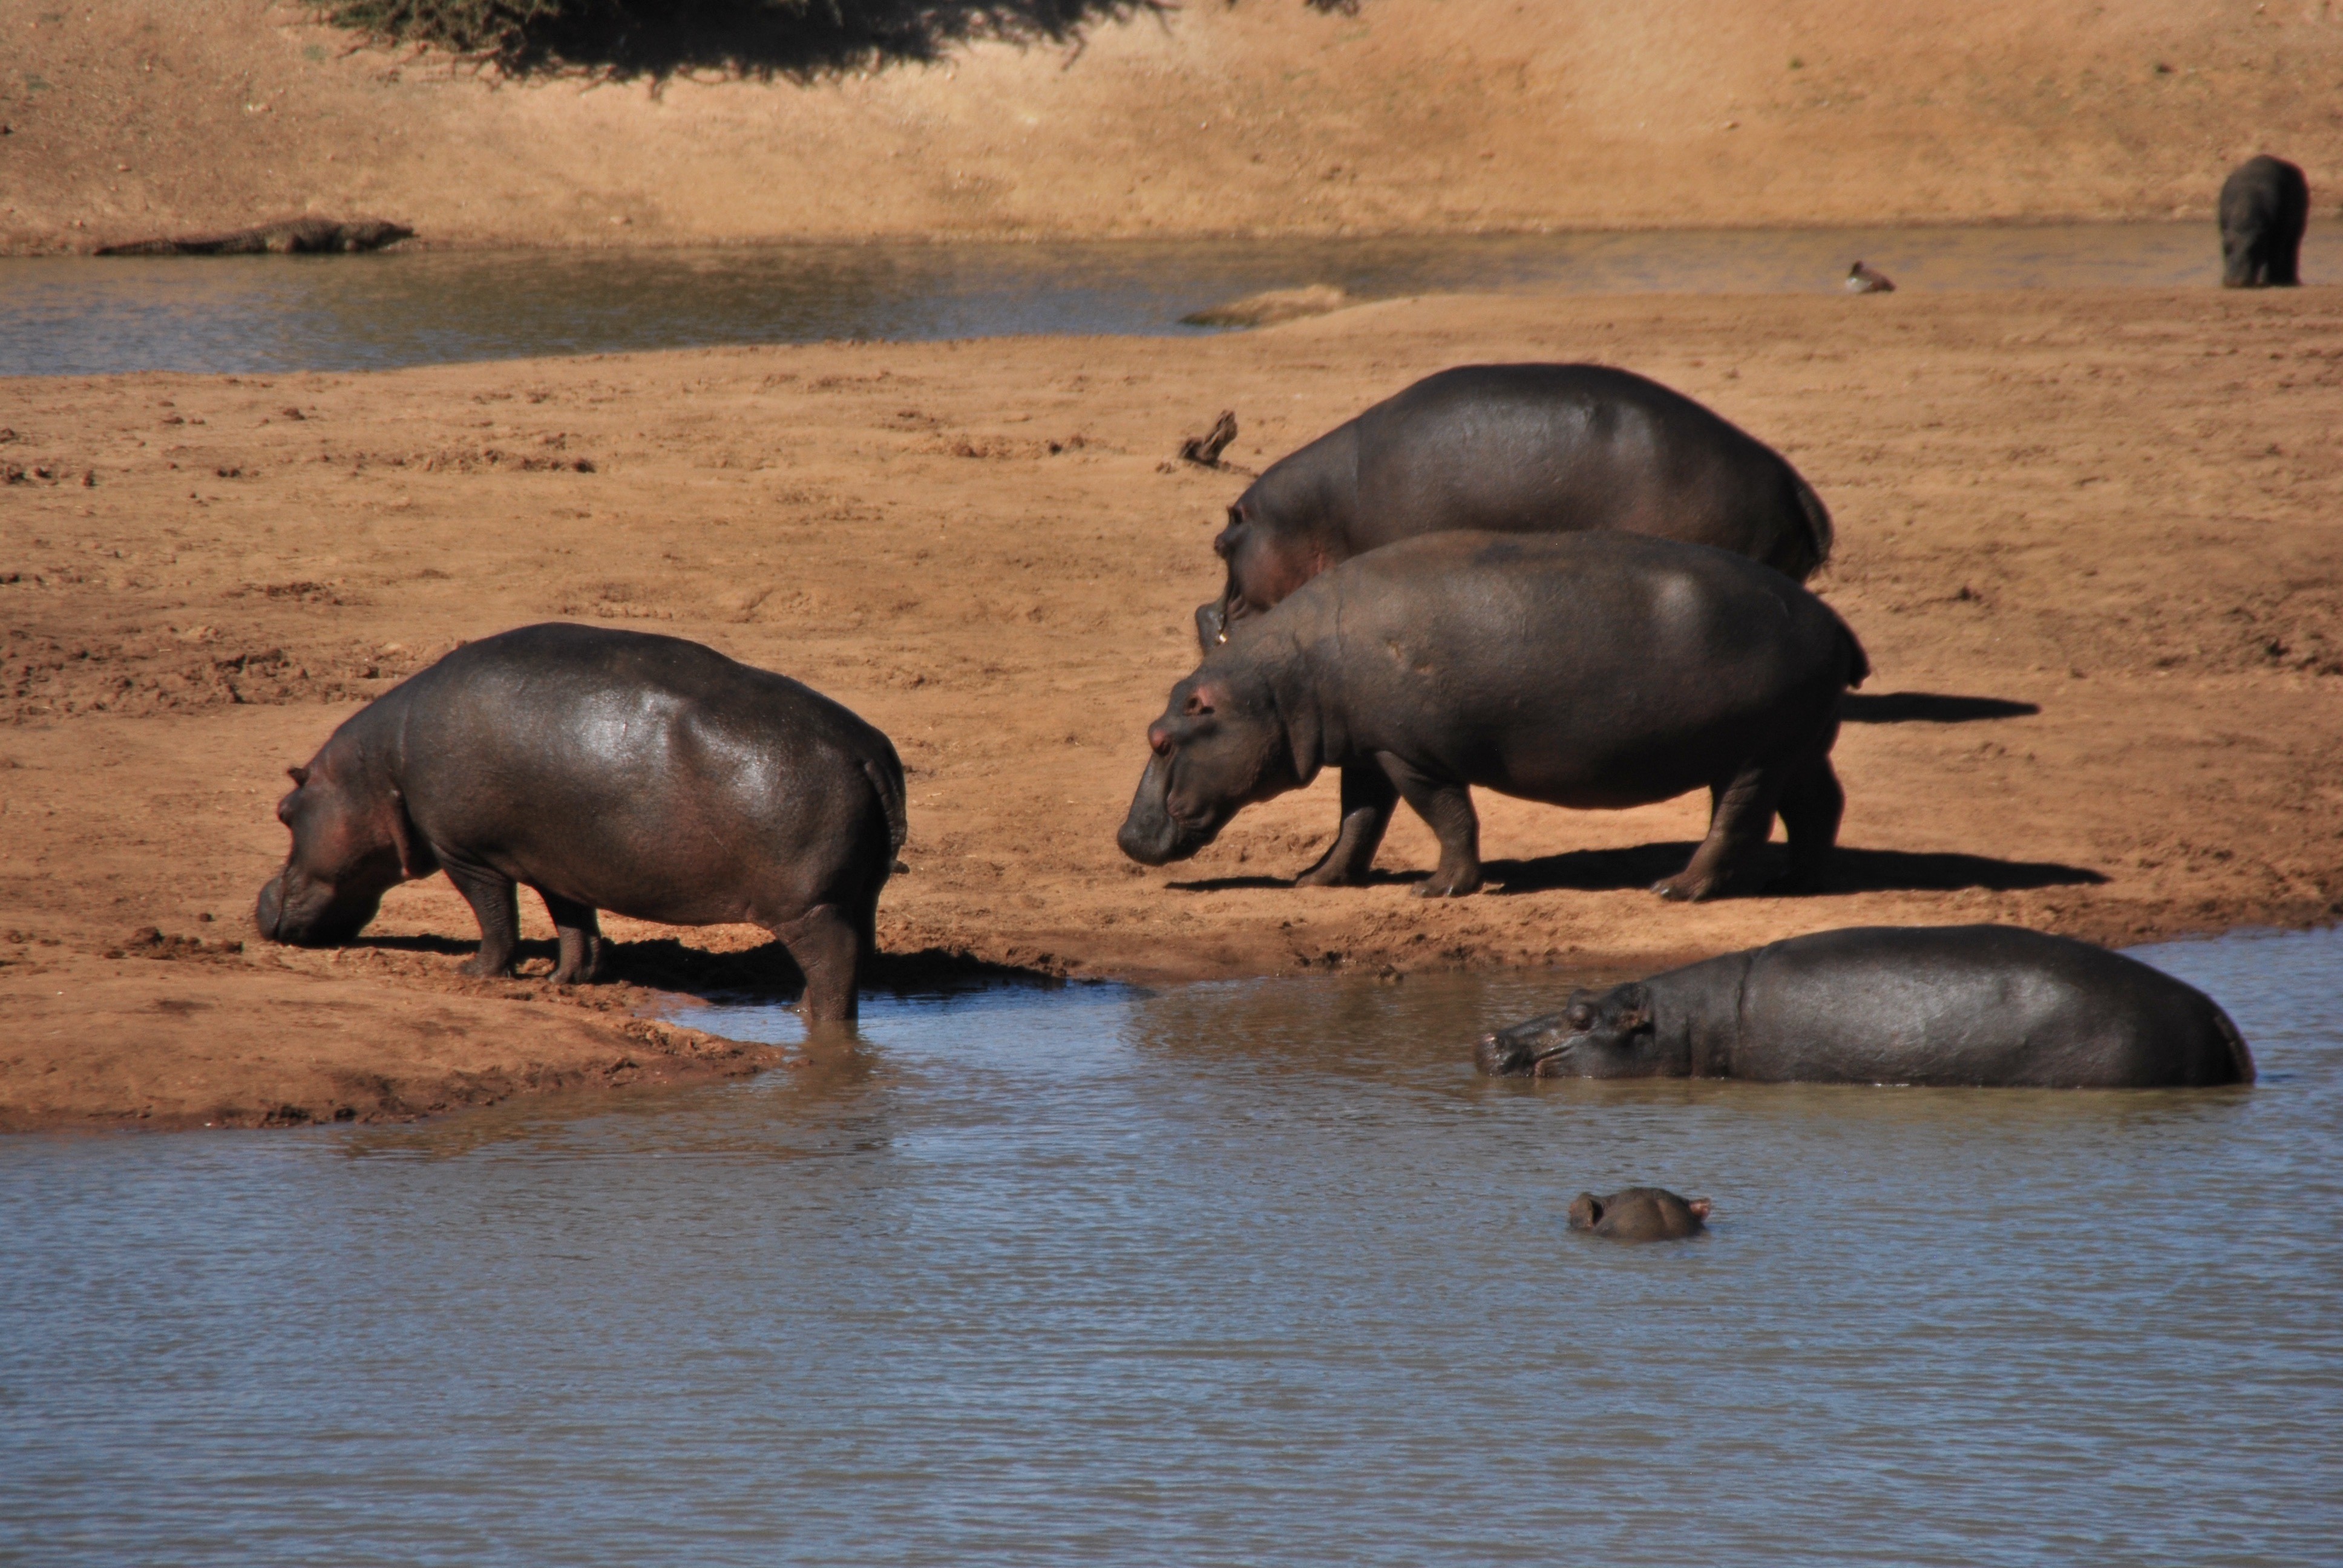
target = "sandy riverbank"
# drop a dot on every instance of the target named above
(2125, 510)
(1263, 116)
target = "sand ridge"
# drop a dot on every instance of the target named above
(1264, 117)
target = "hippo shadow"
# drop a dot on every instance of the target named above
(1928, 707)
(762, 972)
(1375, 878)
(1851, 870)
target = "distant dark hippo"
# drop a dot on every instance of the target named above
(1514, 449)
(292, 236)
(2265, 203)
(607, 771)
(1595, 671)
(1639, 1214)
(1974, 1005)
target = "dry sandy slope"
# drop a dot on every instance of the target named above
(135, 116)
(2123, 508)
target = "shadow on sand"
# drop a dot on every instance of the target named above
(1851, 871)
(762, 972)
(1928, 707)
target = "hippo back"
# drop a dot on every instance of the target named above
(1976, 1005)
(647, 774)
(1553, 449)
(1590, 669)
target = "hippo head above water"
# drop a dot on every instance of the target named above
(1600, 1034)
(1639, 1215)
(1220, 746)
(350, 845)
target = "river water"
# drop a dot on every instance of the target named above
(1245, 1273)
(90, 315)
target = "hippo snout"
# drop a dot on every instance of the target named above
(1524, 1049)
(269, 913)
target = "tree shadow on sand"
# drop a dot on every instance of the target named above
(757, 39)
(1851, 870)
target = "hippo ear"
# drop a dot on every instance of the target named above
(300, 776)
(1700, 1207)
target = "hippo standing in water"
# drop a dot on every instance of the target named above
(2265, 204)
(1514, 449)
(1944, 1005)
(1639, 1215)
(1592, 669)
(607, 771)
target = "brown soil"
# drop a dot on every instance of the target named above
(162, 116)
(2125, 510)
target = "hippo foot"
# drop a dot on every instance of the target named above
(585, 972)
(480, 968)
(1461, 885)
(1324, 876)
(1688, 889)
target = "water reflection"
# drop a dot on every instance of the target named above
(83, 315)
(1253, 1272)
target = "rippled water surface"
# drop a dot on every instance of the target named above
(1255, 1272)
(84, 316)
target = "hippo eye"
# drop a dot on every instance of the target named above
(1582, 1017)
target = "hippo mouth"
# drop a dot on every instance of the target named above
(1522, 1052)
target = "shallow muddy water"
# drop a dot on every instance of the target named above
(1253, 1272)
(88, 316)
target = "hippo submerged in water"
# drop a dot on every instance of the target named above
(1973, 1005)
(1515, 449)
(1594, 669)
(1639, 1214)
(607, 769)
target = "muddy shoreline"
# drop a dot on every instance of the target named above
(2090, 541)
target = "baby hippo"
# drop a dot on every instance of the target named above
(607, 771)
(1639, 1214)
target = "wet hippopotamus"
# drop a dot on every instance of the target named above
(1967, 1005)
(1592, 669)
(2265, 203)
(607, 769)
(1515, 449)
(1639, 1214)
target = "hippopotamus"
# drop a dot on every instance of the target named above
(2265, 203)
(1590, 669)
(1967, 1005)
(1639, 1214)
(1514, 449)
(607, 771)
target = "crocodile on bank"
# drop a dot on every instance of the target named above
(293, 235)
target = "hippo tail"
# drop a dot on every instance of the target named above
(1819, 535)
(2240, 1059)
(887, 783)
(1859, 663)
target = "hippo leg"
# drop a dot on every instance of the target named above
(1368, 797)
(1812, 804)
(581, 939)
(1447, 808)
(824, 943)
(1740, 821)
(495, 898)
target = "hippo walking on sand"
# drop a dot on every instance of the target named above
(607, 771)
(2264, 205)
(1973, 1005)
(1514, 449)
(1592, 669)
